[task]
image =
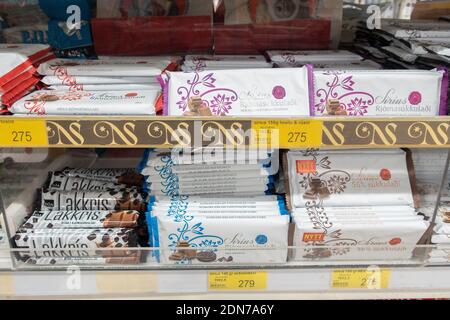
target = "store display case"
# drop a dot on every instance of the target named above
(220, 148)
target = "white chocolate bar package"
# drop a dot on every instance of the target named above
(239, 239)
(120, 66)
(59, 181)
(107, 87)
(75, 242)
(223, 62)
(380, 92)
(349, 178)
(86, 80)
(294, 58)
(45, 102)
(320, 236)
(355, 65)
(243, 92)
(92, 219)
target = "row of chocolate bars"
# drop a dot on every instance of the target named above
(293, 83)
(196, 208)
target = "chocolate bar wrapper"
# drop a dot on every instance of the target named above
(107, 87)
(239, 239)
(84, 260)
(349, 178)
(355, 65)
(381, 92)
(326, 238)
(52, 102)
(220, 200)
(218, 204)
(82, 80)
(206, 156)
(243, 92)
(174, 187)
(82, 219)
(62, 182)
(295, 58)
(75, 242)
(121, 176)
(119, 66)
(92, 200)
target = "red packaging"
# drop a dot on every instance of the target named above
(152, 35)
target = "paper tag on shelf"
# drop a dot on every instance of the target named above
(361, 278)
(287, 133)
(120, 282)
(237, 280)
(23, 133)
(6, 285)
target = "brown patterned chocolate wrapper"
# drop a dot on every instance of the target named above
(92, 200)
(63, 243)
(122, 176)
(59, 181)
(134, 258)
(82, 219)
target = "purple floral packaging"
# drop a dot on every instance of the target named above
(380, 93)
(244, 92)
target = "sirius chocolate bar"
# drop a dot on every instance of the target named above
(92, 200)
(121, 176)
(225, 239)
(244, 92)
(82, 219)
(381, 92)
(75, 242)
(349, 178)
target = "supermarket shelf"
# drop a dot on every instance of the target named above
(419, 282)
(168, 132)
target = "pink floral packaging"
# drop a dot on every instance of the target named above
(294, 58)
(52, 102)
(244, 92)
(349, 178)
(380, 92)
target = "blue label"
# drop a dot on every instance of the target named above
(261, 239)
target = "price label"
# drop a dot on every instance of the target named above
(242, 280)
(287, 133)
(23, 133)
(6, 285)
(361, 278)
(133, 282)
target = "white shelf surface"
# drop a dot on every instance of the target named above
(414, 282)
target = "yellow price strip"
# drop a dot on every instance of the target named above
(287, 133)
(116, 282)
(361, 278)
(237, 280)
(23, 133)
(6, 285)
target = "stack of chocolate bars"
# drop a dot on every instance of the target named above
(214, 206)
(86, 216)
(18, 74)
(108, 86)
(354, 205)
(441, 236)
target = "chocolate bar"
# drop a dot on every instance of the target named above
(82, 219)
(349, 177)
(59, 181)
(91, 200)
(243, 92)
(395, 93)
(133, 258)
(121, 176)
(75, 242)
(224, 239)
(53, 102)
